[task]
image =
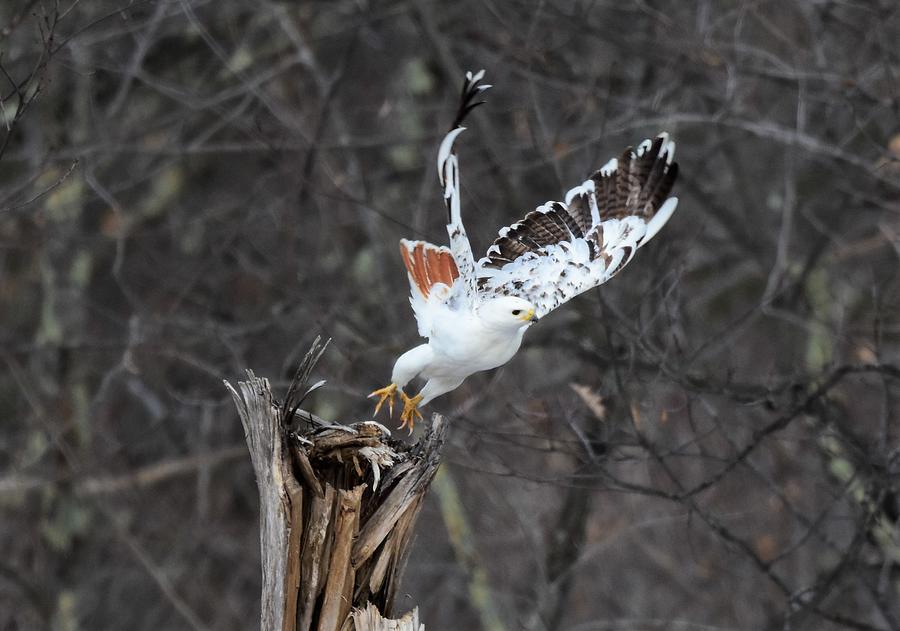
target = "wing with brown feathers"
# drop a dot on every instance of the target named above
(433, 280)
(427, 264)
(562, 249)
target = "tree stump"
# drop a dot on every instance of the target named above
(338, 505)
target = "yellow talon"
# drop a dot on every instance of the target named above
(385, 394)
(410, 410)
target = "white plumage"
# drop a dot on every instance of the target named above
(474, 314)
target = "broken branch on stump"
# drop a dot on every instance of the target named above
(338, 506)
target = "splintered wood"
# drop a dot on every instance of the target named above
(338, 505)
(370, 619)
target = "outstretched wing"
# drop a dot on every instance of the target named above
(433, 276)
(448, 173)
(562, 249)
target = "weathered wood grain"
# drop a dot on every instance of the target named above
(334, 603)
(260, 419)
(338, 508)
(292, 578)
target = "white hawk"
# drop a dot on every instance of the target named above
(474, 314)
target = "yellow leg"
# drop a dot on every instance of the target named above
(410, 410)
(386, 394)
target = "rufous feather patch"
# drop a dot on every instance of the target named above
(428, 264)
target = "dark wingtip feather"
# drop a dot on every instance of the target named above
(470, 89)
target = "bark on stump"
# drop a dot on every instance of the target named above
(338, 505)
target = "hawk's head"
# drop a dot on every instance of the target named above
(507, 312)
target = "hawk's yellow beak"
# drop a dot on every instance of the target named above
(528, 316)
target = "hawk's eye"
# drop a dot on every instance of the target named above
(517, 312)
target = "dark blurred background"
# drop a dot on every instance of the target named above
(191, 188)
